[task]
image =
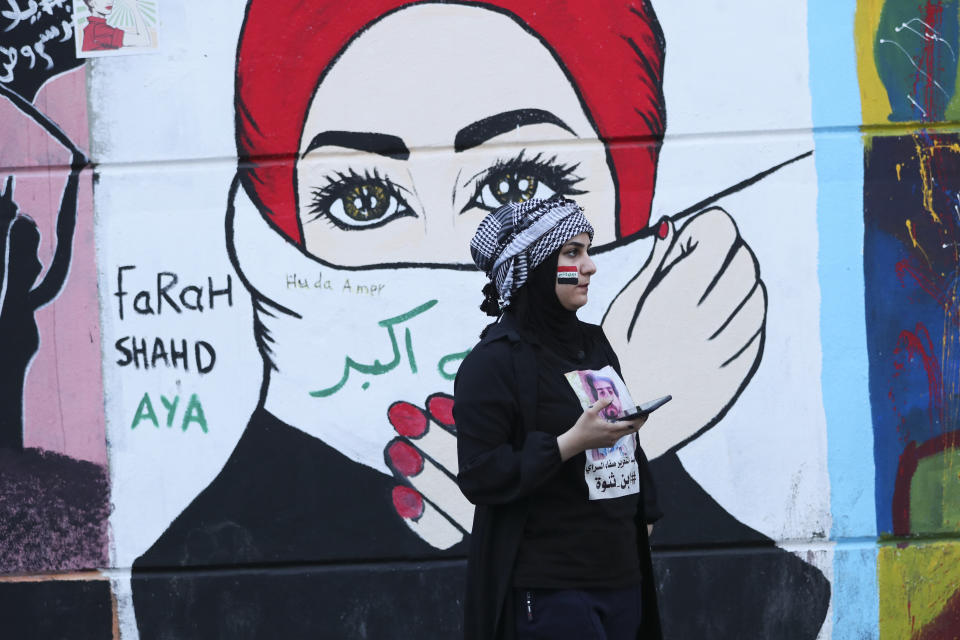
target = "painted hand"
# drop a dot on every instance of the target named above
(690, 324)
(8, 207)
(424, 459)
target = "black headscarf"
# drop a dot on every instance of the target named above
(542, 318)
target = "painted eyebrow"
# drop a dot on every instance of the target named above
(380, 143)
(473, 135)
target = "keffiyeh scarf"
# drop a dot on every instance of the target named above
(518, 236)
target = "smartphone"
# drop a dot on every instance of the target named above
(646, 409)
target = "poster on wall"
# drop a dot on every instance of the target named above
(115, 27)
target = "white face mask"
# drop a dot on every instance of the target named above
(361, 340)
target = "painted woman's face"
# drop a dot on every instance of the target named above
(433, 117)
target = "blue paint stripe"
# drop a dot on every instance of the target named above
(835, 100)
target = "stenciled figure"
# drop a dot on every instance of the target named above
(372, 140)
(20, 294)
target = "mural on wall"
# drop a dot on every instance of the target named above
(908, 74)
(348, 224)
(54, 490)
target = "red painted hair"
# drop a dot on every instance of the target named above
(612, 52)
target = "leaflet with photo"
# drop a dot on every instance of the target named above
(610, 472)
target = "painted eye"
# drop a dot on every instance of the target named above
(521, 179)
(364, 203)
(351, 201)
(507, 186)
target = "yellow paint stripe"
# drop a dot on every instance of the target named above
(874, 104)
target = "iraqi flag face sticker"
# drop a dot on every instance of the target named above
(568, 275)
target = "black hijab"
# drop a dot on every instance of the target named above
(542, 318)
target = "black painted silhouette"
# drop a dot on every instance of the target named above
(19, 269)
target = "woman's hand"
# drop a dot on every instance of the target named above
(593, 431)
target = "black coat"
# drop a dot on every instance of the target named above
(502, 460)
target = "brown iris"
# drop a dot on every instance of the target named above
(365, 202)
(512, 187)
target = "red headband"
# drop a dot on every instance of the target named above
(611, 51)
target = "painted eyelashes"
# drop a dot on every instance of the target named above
(519, 179)
(351, 200)
(568, 275)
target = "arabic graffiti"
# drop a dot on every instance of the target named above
(32, 13)
(378, 368)
(37, 43)
(447, 360)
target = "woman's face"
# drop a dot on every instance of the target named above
(575, 254)
(433, 117)
(101, 8)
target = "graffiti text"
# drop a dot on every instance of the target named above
(134, 351)
(166, 295)
(192, 413)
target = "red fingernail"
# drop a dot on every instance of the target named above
(405, 458)
(407, 419)
(407, 502)
(441, 408)
(663, 229)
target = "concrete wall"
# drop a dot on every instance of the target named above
(227, 383)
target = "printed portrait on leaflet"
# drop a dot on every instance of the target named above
(402, 145)
(601, 388)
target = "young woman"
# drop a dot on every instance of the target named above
(549, 556)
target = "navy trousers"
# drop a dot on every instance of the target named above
(578, 614)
